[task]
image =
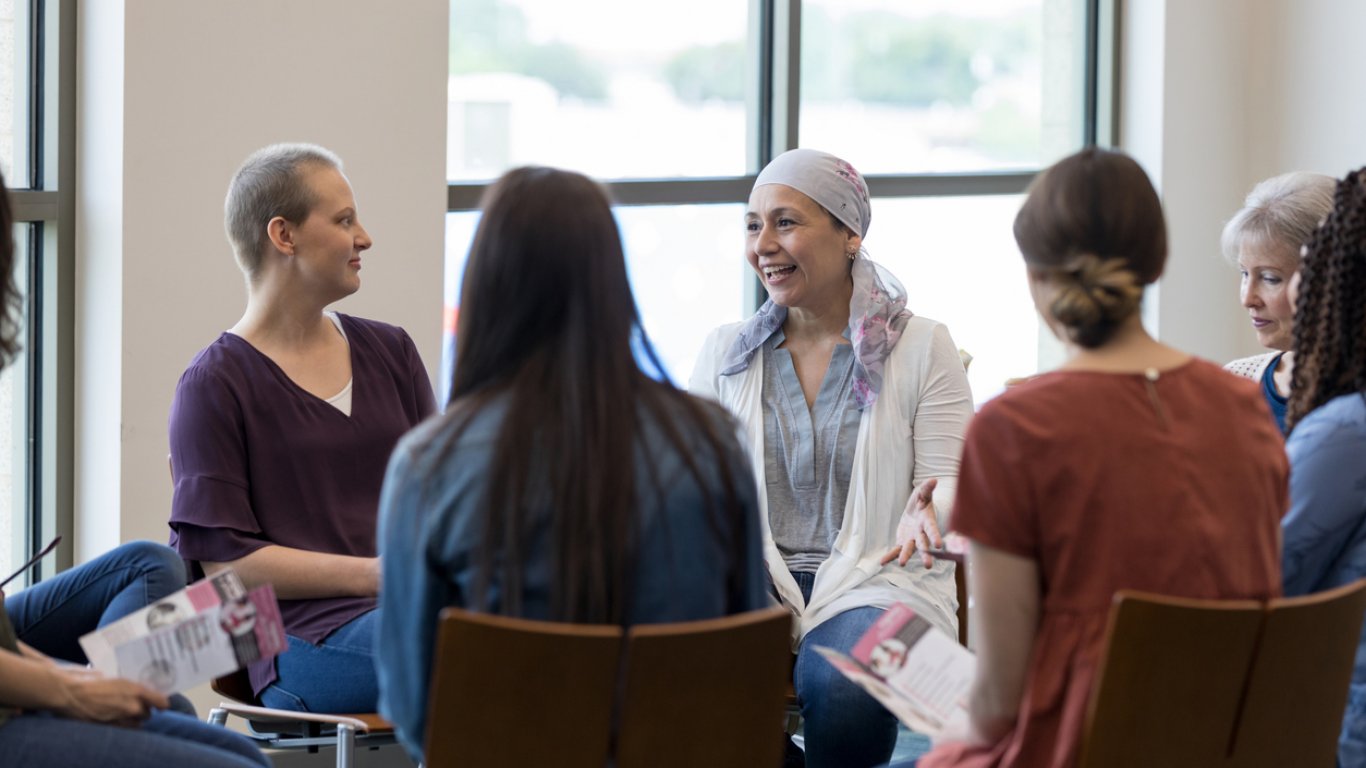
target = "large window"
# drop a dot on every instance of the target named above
(948, 108)
(37, 90)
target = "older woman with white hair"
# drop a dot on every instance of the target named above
(855, 411)
(1263, 239)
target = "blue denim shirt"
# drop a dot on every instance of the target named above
(428, 547)
(1325, 530)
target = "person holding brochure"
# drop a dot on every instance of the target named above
(280, 430)
(1132, 466)
(54, 714)
(563, 482)
(1324, 538)
(854, 411)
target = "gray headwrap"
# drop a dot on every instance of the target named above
(877, 306)
(828, 180)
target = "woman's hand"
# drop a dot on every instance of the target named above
(918, 529)
(90, 696)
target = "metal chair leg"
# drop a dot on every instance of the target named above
(346, 745)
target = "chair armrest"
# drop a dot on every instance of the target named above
(268, 715)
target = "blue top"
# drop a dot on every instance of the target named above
(809, 453)
(1325, 530)
(429, 533)
(1274, 398)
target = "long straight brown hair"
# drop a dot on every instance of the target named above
(548, 323)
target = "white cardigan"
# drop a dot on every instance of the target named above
(1251, 367)
(913, 432)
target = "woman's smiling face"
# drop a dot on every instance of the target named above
(799, 251)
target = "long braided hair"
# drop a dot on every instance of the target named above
(1330, 315)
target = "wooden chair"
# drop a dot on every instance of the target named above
(285, 729)
(1170, 682)
(1238, 684)
(706, 693)
(1297, 688)
(518, 692)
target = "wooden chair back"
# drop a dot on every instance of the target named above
(706, 693)
(960, 583)
(1170, 682)
(511, 691)
(1297, 689)
(1234, 684)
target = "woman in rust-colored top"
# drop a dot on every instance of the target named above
(1134, 465)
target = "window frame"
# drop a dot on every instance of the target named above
(46, 204)
(773, 105)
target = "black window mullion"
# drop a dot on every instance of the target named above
(33, 410)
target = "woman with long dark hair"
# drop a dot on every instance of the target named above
(1324, 535)
(562, 482)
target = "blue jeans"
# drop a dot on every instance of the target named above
(165, 739)
(842, 726)
(335, 676)
(52, 615)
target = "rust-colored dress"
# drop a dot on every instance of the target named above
(1110, 481)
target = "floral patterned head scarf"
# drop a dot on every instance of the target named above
(877, 309)
(831, 182)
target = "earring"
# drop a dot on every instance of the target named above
(852, 254)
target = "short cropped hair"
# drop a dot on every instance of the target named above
(1282, 210)
(270, 183)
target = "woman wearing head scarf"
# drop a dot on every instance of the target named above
(854, 410)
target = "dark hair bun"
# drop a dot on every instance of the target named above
(1093, 296)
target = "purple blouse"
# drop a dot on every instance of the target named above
(258, 461)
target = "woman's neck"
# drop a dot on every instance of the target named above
(276, 320)
(1129, 350)
(826, 318)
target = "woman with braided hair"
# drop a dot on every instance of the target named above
(1134, 465)
(1325, 530)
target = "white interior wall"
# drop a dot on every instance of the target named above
(173, 96)
(1215, 96)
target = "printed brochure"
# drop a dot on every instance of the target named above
(919, 673)
(209, 629)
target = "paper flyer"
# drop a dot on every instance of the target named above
(206, 630)
(911, 667)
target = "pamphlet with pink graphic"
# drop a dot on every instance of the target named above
(919, 673)
(209, 629)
